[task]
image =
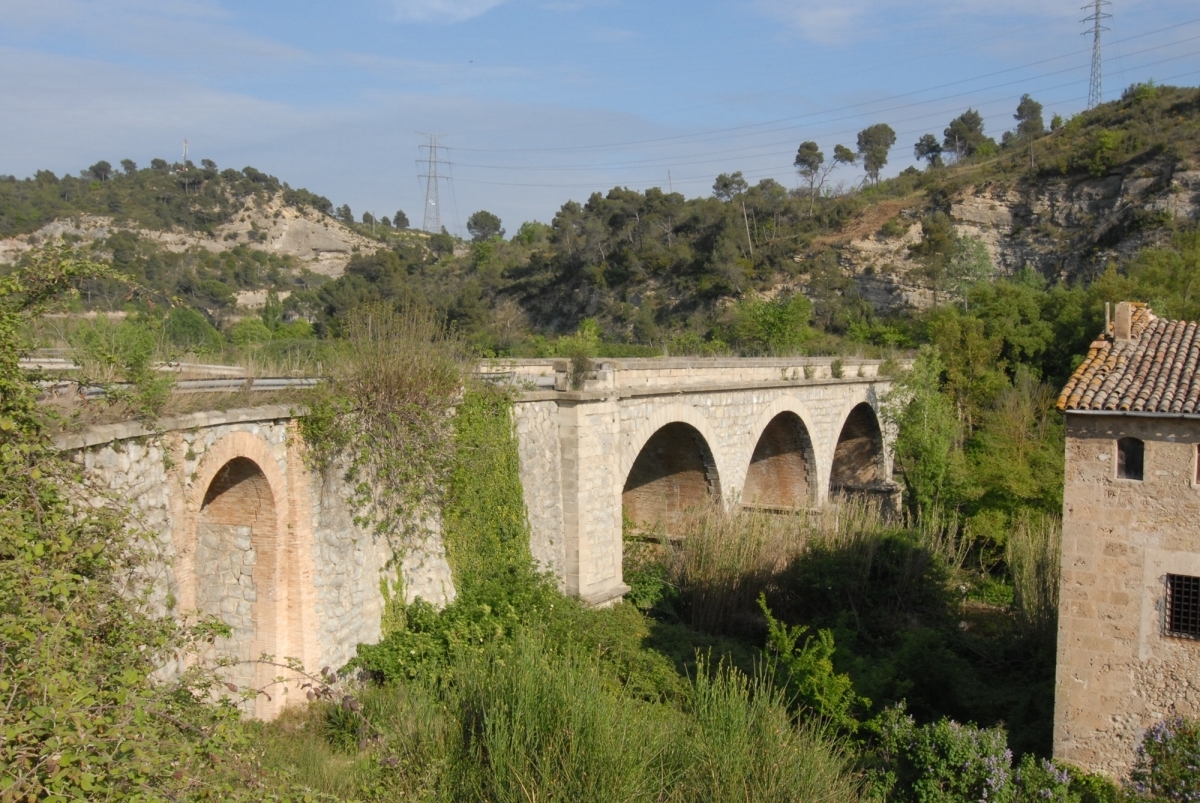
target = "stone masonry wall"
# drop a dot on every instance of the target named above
(541, 477)
(601, 432)
(321, 601)
(1117, 672)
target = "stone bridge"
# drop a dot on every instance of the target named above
(249, 534)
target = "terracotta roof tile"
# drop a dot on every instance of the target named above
(1155, 371)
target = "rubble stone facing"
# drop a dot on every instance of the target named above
(321, 593)
(1117, 672)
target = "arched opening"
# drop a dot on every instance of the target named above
(674, 471)
(858, 465)
(236, 564)
(781, 467)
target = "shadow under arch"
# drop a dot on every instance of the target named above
(238, 568)
(674, 471)
(858, 459)
(782, 474)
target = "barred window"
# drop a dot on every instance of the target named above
(1131, 454)
(1183, 606)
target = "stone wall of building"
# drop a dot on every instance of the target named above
(1118, 672)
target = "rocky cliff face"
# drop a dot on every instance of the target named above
(1061, 227)
(316, 241)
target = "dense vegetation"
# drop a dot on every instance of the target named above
(833, 655)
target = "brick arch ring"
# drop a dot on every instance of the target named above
(230, 447)
(783, 404)
(674, 414)
(866, 396)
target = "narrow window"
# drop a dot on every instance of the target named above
(1198, 464)
(1183, 606)
(1131, 454)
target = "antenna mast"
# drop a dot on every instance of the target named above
(433, 208)
(1097, 17)
(185, 144)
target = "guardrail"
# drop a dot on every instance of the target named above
(247, 385)
(40, 363)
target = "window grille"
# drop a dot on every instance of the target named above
(1183, 606)
(1131, 454)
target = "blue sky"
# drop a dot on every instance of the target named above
(540, 101)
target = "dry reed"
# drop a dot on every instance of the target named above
(726, 559)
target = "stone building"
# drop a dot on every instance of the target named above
(1129, 610)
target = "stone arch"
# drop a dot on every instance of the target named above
(859, 463)
(782, 471)
(241, 562)
(674, 470)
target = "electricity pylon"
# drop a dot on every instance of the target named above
(1097, 17)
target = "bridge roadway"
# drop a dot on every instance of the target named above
(247, 533)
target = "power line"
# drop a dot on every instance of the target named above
(764, 172)
(1095, 91)
(691, 159)
(433, 212)
(671, 140)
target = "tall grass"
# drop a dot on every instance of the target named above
(743, 745)
(526, 722)
(728, 558)
(1034, 553)
(539, 726)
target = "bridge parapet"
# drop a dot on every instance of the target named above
(680, 372)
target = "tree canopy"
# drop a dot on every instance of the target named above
(483, 225)
(874, 143)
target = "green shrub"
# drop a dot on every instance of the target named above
(249, 332)
(189, 331)
(943, 762)
(809, 671)
(1167, 767)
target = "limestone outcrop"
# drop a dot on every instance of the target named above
(316, 241)
(1060, 227)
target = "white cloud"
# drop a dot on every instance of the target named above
(443, 10)
(839, 21)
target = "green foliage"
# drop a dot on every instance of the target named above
(965, 135)
(1029, 118)
(874, 143)
(84, 717)
(122, 359)
(810, 673)
(727, 186)
(249, 332)
(927, 433)
(777, 328)
(533, 719)
(487, 536)
(384, 418)
(160, 197)
(1167, 767)
(943, 762)
(483, 225)
(929, 149)
(190, 332)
